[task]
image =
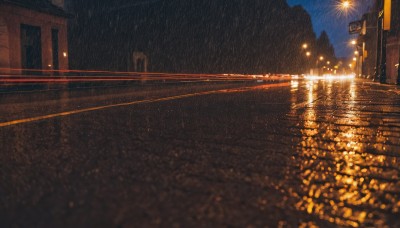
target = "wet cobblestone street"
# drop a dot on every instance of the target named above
(300, 154)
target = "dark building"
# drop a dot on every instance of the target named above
(367, 46)
(33, 35)
(370, 49)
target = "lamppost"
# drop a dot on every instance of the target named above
(319, 59)
(305, 47)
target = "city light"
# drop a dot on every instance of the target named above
(354, 59)
(321, 58)
(344, 7)
(356, 53)
(345, 4)
(308, 54)
(353, 42)
(305, 46)
(329, 77)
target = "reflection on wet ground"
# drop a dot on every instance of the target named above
(312, 153)
(348, 155)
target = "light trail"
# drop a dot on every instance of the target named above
(85, 76)
(73, 112)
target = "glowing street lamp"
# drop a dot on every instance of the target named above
(305, 46)
(308, 54)
(321, 58)
(345, 5)
(353, 42)
(356, 52)
(328, 62)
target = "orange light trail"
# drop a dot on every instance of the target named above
(73, 112)
(119, 76)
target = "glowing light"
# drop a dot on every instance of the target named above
(321, 58)
(294, 84)
(345, 4)
(329, 62)
(354, 59)
(356, 53)
(308, 54)
(305, 46)
(65, 54)
(353, 42)
(329, 77)
(345, 7)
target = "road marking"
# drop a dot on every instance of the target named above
(68, 113)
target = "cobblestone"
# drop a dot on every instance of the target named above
(314, 153)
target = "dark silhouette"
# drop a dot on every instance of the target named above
(192, 36)
(325, 48)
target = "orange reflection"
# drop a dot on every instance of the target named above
(347, 175)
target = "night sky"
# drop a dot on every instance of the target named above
(326, 17)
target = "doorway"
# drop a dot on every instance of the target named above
(54, 43)
(31, 49)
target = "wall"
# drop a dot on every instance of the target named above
(15, 16)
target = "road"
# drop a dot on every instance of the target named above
(290, 154)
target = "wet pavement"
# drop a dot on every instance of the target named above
(297, 154)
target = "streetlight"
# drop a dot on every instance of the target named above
(321, 58)
(353, 42)
(304, 47)
(345, 5)
(356, 52)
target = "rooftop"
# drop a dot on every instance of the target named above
(44, 6)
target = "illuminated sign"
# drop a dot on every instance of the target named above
(387, 14)
(355, 27)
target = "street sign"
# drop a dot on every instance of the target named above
(355, 27)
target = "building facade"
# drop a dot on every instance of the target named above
(33, 36)
(378, 48)
(393, 45)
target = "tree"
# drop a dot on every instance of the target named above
(325, 48)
